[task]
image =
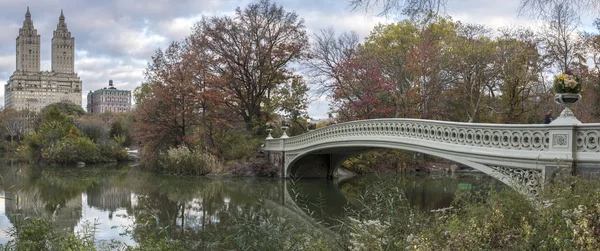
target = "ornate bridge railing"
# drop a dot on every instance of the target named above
(509, 137)
(501, 136)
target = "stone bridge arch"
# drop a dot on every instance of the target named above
(324, 161)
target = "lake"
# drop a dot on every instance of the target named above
(125, 203)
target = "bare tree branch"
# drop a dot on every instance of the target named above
(327, 52)
(412, 8)
(563, 44)
(544, 8)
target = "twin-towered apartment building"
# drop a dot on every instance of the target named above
(29, 88)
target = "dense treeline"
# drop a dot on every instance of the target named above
(215, 92)
(444, 70)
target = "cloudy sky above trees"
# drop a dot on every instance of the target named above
(114, 39)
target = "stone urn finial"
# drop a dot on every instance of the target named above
(566, 116)
(284, 135)
(269, 130)
(567, 87)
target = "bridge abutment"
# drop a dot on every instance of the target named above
(277, 159)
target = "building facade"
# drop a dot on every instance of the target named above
(109, 99)
(28, 88)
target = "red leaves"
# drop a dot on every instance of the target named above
(361, 91)
(180, 96)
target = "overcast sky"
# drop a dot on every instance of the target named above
(114, 39)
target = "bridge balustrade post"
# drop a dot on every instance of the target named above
(562, 144)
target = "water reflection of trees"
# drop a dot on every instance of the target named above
(33, 193)
(197, 209)
(182, 207)
(156, 204)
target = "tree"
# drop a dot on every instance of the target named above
(591, 79)
(411, 8)
(121, 129)
(16, 122)
(588, 108)
(253, 50)
(416, 7)
(292, 100)
(391, 45)
(168, 107)
(361, 91)
(67, 108)
(428, 62)
(520, 68)
(543, 7)
(327, 52)
(563, 44)
(214, 113)
(472, 69)
(72, 111)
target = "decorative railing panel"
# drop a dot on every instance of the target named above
(588, 138)
(528, 179)
(272, 144)
(502, 136)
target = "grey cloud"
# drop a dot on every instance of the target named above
(7, 64)
(115, 38)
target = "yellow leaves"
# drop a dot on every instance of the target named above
(562, 77)
(498, 213)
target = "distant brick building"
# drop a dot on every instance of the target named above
(109, 99)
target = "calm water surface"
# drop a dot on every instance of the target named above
(115, 198)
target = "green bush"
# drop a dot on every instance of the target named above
(39, 234)
(113, 150)
(182, 160)
(71, 150)
(58, 140)
(237, 145)
(94, 128)
(120, 128)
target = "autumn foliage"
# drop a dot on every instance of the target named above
(221, 83)
(361, 91)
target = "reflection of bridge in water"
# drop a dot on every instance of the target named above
(322, 204)
(522, 156)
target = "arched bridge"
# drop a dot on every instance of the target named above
(522, 156)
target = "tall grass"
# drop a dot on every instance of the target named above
(565, 216)
(182, 160)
